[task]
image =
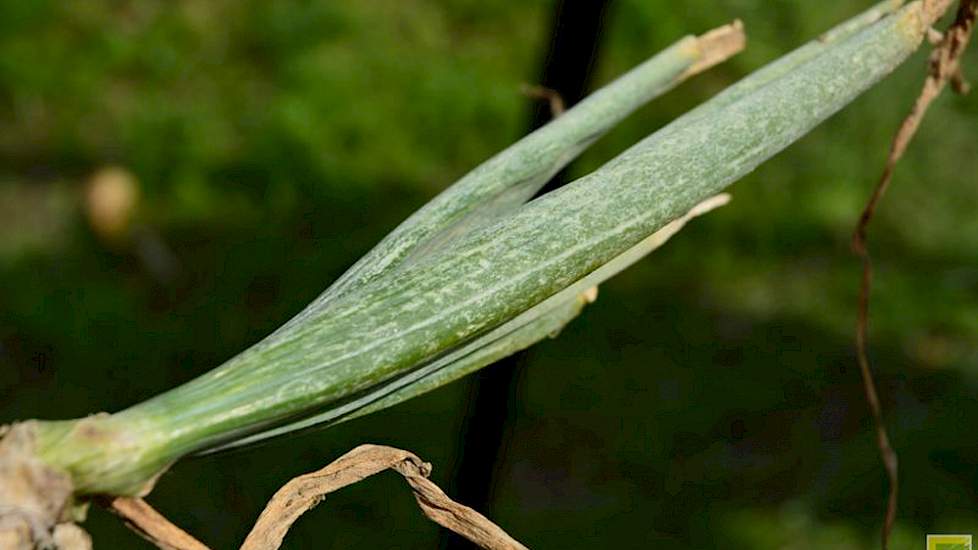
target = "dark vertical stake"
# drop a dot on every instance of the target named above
(484, 437)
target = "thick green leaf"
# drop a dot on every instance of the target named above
(544, 320)
(507, 180)
(437, 304)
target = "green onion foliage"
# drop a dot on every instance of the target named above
(480, 272)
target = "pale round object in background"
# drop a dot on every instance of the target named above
(110, 201)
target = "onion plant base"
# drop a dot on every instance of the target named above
(37, 506)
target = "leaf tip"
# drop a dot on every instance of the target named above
(718, 45)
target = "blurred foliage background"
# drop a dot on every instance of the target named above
(708, 399)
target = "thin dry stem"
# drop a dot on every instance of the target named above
(306, 491)
(551, 96)
(151, 525)
(944, 67)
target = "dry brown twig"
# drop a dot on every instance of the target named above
(306, 491)
(151, 525)
(944, 67)
(551, 96)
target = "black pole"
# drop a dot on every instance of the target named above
(485, 434)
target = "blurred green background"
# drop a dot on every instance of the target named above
(708, 399)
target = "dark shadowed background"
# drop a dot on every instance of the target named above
(708, 399)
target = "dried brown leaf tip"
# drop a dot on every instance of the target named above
(718, 45)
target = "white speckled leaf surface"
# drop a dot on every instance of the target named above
(472, 298)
